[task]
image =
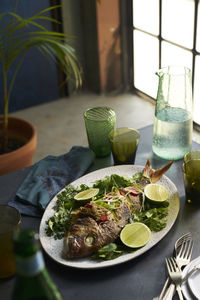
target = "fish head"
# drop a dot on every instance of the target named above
(82, 238)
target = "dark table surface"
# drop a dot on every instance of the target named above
(141, 278)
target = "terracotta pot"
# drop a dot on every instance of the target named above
(23, 156)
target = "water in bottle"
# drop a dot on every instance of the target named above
(173, 123)
(32, 279)
(172, 133)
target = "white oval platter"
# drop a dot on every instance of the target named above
(54, 248)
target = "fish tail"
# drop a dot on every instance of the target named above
(155, 175)
(147, 172)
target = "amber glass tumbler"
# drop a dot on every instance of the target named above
(124, 142)
(10, 222)
(191, 174)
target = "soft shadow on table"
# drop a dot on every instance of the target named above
(103, 274)
(189, 212)
(100, 163)
(132, 271)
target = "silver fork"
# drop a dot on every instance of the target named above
(183, 257)
(184, 238)
(175, 274)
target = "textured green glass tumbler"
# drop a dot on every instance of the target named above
(99, 121)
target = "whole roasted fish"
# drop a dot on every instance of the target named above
(94, 226)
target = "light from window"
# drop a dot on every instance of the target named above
(198, 31)
(178, 21)
(145, 20)
(171, 43)
(146, 52)
(196, 94)
(173, 55)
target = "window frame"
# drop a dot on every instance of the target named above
(130, 49)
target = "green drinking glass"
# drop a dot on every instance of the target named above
(124, 143)
(191, 174)
(99, 121)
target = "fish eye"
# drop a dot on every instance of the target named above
(89, 240)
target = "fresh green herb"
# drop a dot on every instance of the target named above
(148, 205)
(58, 224)
(105, 185)
(108, 252)
(155, 218)
(112, 251)
(137, 176)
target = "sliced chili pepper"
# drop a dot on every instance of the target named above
(132, 190)
(135, 193)
(88, 204)
(103, 218)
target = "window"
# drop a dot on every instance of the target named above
(166, 32)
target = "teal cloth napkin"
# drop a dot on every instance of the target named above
(47, 177)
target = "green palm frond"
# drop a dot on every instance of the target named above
(18, 35)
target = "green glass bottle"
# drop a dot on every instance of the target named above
(32, 279)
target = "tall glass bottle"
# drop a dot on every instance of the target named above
(172, 135)
(32, 279)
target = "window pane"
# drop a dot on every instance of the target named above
(146, 50)
(178, 21)
(146, 15)
(198, 29)
(196, 94)
(173, 55)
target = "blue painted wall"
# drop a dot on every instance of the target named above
(37, 80)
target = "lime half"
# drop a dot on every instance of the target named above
(87, 194)
(156, 193)
(135, 235)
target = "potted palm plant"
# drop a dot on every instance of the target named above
(17, 36)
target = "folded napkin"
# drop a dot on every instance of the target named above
(47, 177)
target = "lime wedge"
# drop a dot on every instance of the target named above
(87, 194)
(135, 235)
(156, 193)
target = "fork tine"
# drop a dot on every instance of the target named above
(189, 250)
(186, 249)
(185, 237)
(173, 264)
(181, 251)
(169, 265)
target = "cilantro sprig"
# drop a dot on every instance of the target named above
(58, 224)
(108, 252)
(155, 218)
(108, 182)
